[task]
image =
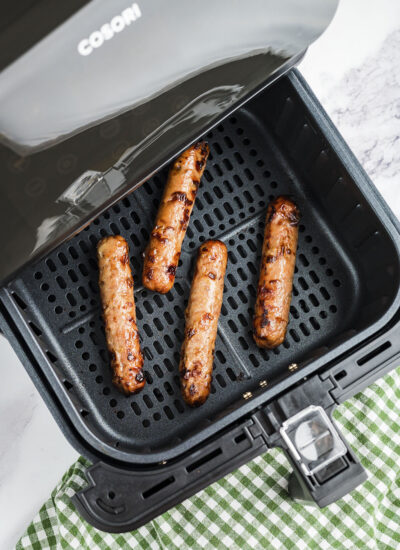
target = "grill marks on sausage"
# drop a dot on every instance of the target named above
(116, 291)
(173, 218)
(271, 312)
(202, 316)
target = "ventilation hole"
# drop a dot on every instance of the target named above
(38, 275)
(249, 174)
(303, 283)
(83, 269)
(168, 412)
(314, 277)
(221, 380)
(179, 407)
(157, 488)
(120, 414)
(333, 309)
(35, 329)
(136, 409)
(340, 375)
(99, 379)
(232, 280)
(51, 356)
(294, 313)
(72, 275)
(304, 306)
(113, 403)
(322, 261)
(325, 293)
(238, 202)
(314, 323)
(106, 391)
(228, 208)
(304, 260)
(308, 238)
(329, 272)
(73, 252)
(227, 163)
(242, 320)
(148, 402)
(58, 310)
(314, 300)
(198, 463)
(51, 265)
(221, 357)
(146, 423)
(304, 329)
(84, 413)
(294, 335)
(231, 374)
(274, 185)
(380, 349)
(179, 289)
(79, 344)
(232, 326)
(323, 314)
(68, 384)
(336, 282)
(238, 158)
(168, 341)
(19, 301)
(244, 345)
(232, 302)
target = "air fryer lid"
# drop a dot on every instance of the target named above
(106, 98)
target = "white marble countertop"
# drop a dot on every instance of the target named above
(354, 70)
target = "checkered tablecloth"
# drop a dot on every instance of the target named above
(250, 508)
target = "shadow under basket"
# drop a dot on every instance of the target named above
(342, 334)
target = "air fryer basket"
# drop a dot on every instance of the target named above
(276, 144)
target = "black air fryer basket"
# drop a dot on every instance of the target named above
(150, 451)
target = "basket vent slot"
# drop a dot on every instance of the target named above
(204, 460)
(157, 488)
(374, 353)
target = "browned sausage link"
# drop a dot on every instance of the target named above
(119, 313)
(201, 316)
(278, 259)
(164, 248)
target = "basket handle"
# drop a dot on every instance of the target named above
(119, 500)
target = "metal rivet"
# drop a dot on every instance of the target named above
(247, 395)
(263, 383)
(293, 366)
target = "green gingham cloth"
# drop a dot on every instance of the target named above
(250, 508)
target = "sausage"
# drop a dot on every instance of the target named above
(201, 318)
(271, 315)
(119, 313)
(163, 251)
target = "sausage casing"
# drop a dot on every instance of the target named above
(271, 314)
(163, 251)
(119, 313)
(201, 317)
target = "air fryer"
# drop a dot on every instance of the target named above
(92, 111)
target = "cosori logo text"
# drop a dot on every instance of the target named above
(108, 30)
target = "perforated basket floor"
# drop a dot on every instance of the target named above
(60, 296)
